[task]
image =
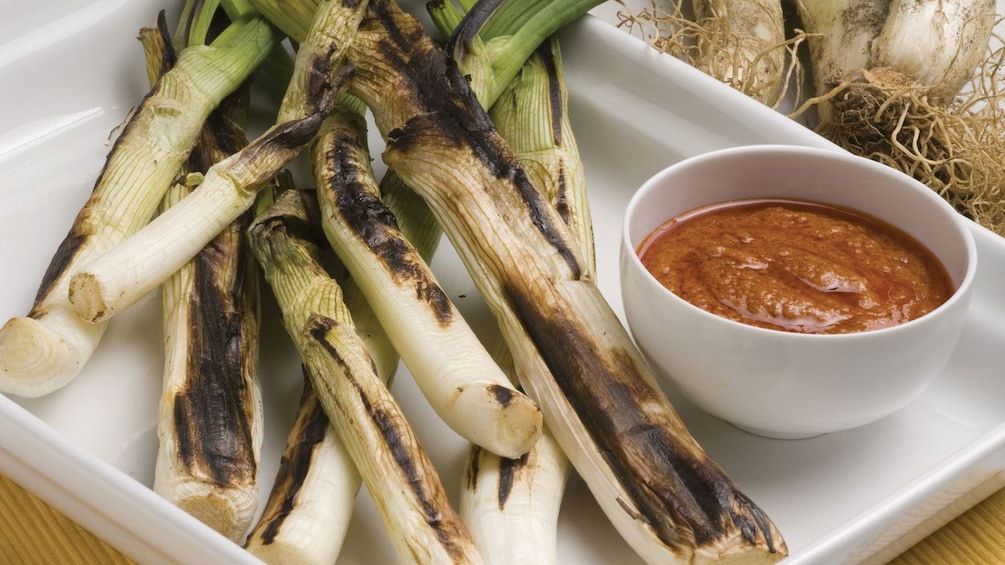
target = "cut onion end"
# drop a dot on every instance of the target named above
(36, 358)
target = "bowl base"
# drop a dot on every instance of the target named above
(773, 434)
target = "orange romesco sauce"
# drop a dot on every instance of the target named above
(796, 266)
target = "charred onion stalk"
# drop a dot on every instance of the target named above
(397, 472)
(915, 85)
(457, 376)
(512, 506)
(668, 499)
(210, 416)
(114, 281)
(311, 501)
(210, 420)
(46, 349)
(312, 498)
(739, 42)
(210, 424)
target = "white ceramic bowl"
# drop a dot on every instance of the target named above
(782, 384)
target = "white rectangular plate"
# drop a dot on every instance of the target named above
(69, 75)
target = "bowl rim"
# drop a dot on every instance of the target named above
(961, 292)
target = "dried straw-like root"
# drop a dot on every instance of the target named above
(743, 44)
(958, 149)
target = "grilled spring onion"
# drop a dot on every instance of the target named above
(307, 513)
(512, 507)
(456, 375)
(210, 421)
(311, 501)
(46, 349)
(661, 491)
(121, 276)
(397, 472)
(915, 85)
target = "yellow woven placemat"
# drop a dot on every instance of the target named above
(32, 533)
(976, 537)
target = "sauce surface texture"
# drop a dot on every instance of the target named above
(796, 266)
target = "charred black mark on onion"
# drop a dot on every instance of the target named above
(548, 59)
(555, 90)
(227, 123)
(294, 468)
(756, 523)
(471, 24)
(294, 134)
(203, 155)
(385, 18)
(503, 395)
(562, 194)
(289, 135)
(667, 483)
(212, 428)
(168, 55)
(212, 411)
(319, 77)
(375, 224)
(301, 228)
(474, 456)
(279, 142)
(509, 471)
(67, 250)
(386, 423)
